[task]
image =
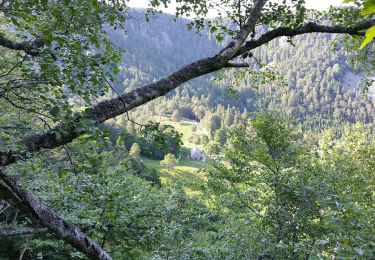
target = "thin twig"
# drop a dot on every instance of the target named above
(242, 200)
(237, 65)
(123, 101)
(15, 66)
(23, 108)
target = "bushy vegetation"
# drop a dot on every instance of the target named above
(297, 199)
(103, 121)
(296, 196)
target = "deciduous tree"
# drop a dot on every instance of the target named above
(57, 61)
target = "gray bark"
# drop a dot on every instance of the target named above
(22, 231)
(30, 47)
(357, 29)
(27, 203)
(227, 53)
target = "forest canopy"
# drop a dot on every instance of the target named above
(73, 148)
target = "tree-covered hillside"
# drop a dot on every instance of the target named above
(316, 83)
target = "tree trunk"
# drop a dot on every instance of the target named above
(27, 203)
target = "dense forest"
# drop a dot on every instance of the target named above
(316, 83)
(120, 139)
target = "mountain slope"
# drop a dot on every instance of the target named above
(321, 86)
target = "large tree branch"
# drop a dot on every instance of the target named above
(117, 106)
(30, 47)
(303, 29)
(22, 231)
(111, 108)
(24, 201)
(232, 48)
(237, 65)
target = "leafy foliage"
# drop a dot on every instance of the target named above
(368, 10)
(68, 72)
(158, 140)
(295, 198)
(297, 203)
(169, 160)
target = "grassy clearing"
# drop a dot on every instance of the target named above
(186, 129)
(186, 173)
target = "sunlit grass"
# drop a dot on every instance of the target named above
(185, 129)
(186, 173)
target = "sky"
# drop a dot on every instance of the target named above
(313, 4)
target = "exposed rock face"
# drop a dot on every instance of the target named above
(353, 82)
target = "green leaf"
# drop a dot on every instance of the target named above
(370, 35)
(55, 111)
(44, 66)
(213, 29)
(219, 38)
(368, 7)
(116, 70)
